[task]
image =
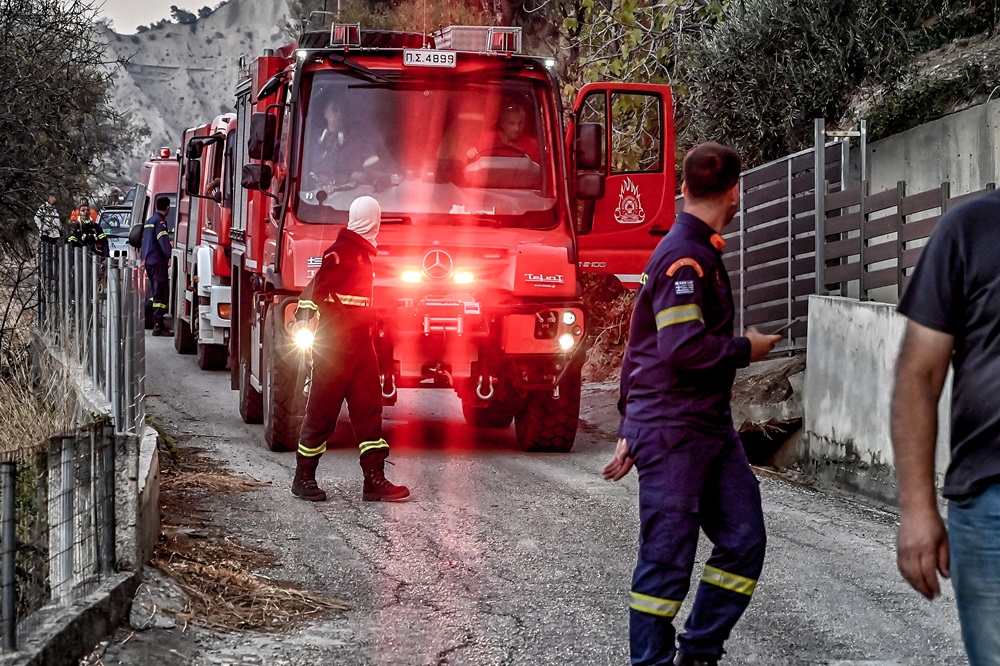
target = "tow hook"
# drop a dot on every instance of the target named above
(390, 382)
(479, 389)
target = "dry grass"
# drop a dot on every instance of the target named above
(609, 307)
(220, 575)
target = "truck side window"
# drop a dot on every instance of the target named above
(594, 110)
(637, 133)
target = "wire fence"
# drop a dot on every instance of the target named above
(58, 498)
(57, 529)
(93, 310)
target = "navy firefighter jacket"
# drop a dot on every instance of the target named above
(682, 357)
(155, 249)
(341, 290)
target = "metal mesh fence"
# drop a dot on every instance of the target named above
(92, 309)
(57, 525)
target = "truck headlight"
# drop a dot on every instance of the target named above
(464, 277)
(304, 339)
(569, 318)
(566, 342)
(410, 276)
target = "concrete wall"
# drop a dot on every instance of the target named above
(850, 368)
(962, 149)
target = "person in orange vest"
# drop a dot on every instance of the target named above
(84, 230)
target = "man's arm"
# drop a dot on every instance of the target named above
(922, 542)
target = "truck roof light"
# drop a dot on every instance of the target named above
(165, 152)
(505, 40)
(345, 34)
(410, 276)
(464, 277)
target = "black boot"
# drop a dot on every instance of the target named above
(304, 484)
(159, 330)
(682, 660)
(377, 487)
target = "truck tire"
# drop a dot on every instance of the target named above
(184, 340)
(546, 424)
(495, 414)
(212, 357)
(284, 388)
(251, 401)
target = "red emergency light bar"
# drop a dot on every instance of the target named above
(505, 40)
(164, 152)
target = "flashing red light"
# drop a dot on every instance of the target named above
(164, 152)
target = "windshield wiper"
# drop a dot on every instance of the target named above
(364, 72)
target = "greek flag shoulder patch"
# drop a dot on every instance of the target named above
(684, 287)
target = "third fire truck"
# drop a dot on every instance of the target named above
(490, 211)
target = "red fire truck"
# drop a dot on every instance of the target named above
(200, 259)
(157, 178)
(489, 212)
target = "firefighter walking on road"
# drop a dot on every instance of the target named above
(677, 379)
(337, 305)
(155, 253)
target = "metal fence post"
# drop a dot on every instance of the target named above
(94, 362)
(113, 343)
(819, 166)
(107, 508)
(900, 245)
(863, 208)
(743, 251)
(65, 555)
(8, 471)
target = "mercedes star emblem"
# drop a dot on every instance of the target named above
(438, 264)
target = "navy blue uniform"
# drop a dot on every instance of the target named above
(155, 253)
(344, 363)
(676, 387)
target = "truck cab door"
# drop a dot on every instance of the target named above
(624, 185)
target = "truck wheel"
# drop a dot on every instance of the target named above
(548, 424)
(184, 340)
(212, 357)
(251, 401)
(495, 414)
(284, 396)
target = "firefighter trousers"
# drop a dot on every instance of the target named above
(160, 285)
(691, 481)
(345, 371)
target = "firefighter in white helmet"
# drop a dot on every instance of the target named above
(337, 306)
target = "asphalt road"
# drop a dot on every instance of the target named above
(504, 557)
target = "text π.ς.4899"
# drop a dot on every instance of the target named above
(428, 58)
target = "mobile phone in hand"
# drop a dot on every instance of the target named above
(784, 327)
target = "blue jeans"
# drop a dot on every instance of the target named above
(974, 539)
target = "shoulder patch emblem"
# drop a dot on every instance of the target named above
(681, 263)
(684, 287)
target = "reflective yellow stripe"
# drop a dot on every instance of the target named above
(161, 235)
(311, 453)
(372, 445)
(102, 236)
(654, 605)
(147, 226)
(160, 305)
(347, 299)
(729, 581)
(678, 315)
(305, 303)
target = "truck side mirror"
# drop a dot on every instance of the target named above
(263, 128)
(194, 150)
(589, 142)
(589, 186)
(256, 177)
(193, 182)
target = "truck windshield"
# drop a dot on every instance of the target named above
(437, 151)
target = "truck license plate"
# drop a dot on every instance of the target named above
(428, 58)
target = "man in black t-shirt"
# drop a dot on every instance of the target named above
(953, 309)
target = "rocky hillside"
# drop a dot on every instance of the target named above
(182, 75)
